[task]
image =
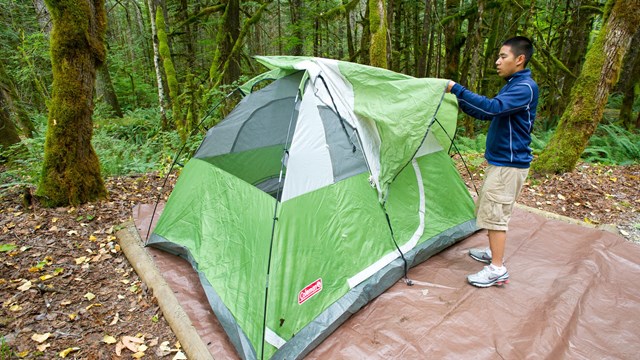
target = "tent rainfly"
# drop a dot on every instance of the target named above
(313, 196)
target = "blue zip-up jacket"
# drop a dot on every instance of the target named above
(512, 113)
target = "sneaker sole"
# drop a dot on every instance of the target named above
(482, 260)
(498, 282)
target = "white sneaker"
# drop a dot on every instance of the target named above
(482, 255)
(488, 276)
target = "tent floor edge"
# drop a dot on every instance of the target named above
(315, 332)
(132, 246)
(231, 327)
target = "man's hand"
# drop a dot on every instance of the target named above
(450, 85)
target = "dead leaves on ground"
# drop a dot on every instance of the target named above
(65, 284)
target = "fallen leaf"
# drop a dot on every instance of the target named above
(119, 347)
(108, 339)
(73, 316)
(115, 319)
(15, 307)
(7, 247)
(40, 337)
(66, 351)
(179, 356)
(46, 277)
(163, 349)
(132, 343)
(25, 286)
(65, 302)
(93, 238)
(72, 232)
(23, 354)
(138, 355)
(561, 197)
(80, 260)
(43, 347)
(93, 305)
(89, 296)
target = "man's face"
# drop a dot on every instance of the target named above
(507, 63)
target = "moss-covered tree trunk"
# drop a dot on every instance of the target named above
(591, 90)
(453, 40)
(378, 55)
(629, 81)
(105, 90)
(71, 171)
(8, 131)
(225, 67)
(157, 64)
(11, 107)
(172, 76)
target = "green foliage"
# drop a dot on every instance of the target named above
(136, 144)
(25, 158)
(6, 352)
(131, 145)
(613, 144)
(471, 145)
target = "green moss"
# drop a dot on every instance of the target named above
(170, 72)
(378, 30)
(71, 170)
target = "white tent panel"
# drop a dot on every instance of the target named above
(309, 164)
(430, 145)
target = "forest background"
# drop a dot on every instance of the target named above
(165, 71)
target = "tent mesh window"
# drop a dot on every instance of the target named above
(250, 142)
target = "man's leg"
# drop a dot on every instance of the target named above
(497, 240)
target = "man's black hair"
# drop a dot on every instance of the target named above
(520, 45)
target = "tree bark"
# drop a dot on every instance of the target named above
(225, 68)
(629, 81)
(590, 93)
(11, 105)
(8, 132)
(476, 44)
(71, 171)
(378, 55)
(157, 63)
(105, 90)
(170, 73)
(453, 41)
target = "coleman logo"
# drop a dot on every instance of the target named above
(310, 290)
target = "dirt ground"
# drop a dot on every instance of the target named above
(67, 290)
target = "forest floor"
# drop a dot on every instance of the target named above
(67, 289)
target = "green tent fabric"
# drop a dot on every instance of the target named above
(313, 196)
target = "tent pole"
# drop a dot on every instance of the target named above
(285, 154)
(175, 160)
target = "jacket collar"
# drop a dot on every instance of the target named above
(519, 74)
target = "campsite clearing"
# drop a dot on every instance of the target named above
(50, 239)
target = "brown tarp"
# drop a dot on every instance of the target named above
(574, 294)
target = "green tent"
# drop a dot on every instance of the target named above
(313, 196)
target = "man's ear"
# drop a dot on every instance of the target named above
(520, 60)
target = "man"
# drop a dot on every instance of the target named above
(512, 113)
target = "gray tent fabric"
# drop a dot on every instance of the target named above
(261, 119)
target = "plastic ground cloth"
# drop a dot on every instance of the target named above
(573, 294)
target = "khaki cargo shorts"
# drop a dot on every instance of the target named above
(499, 191)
